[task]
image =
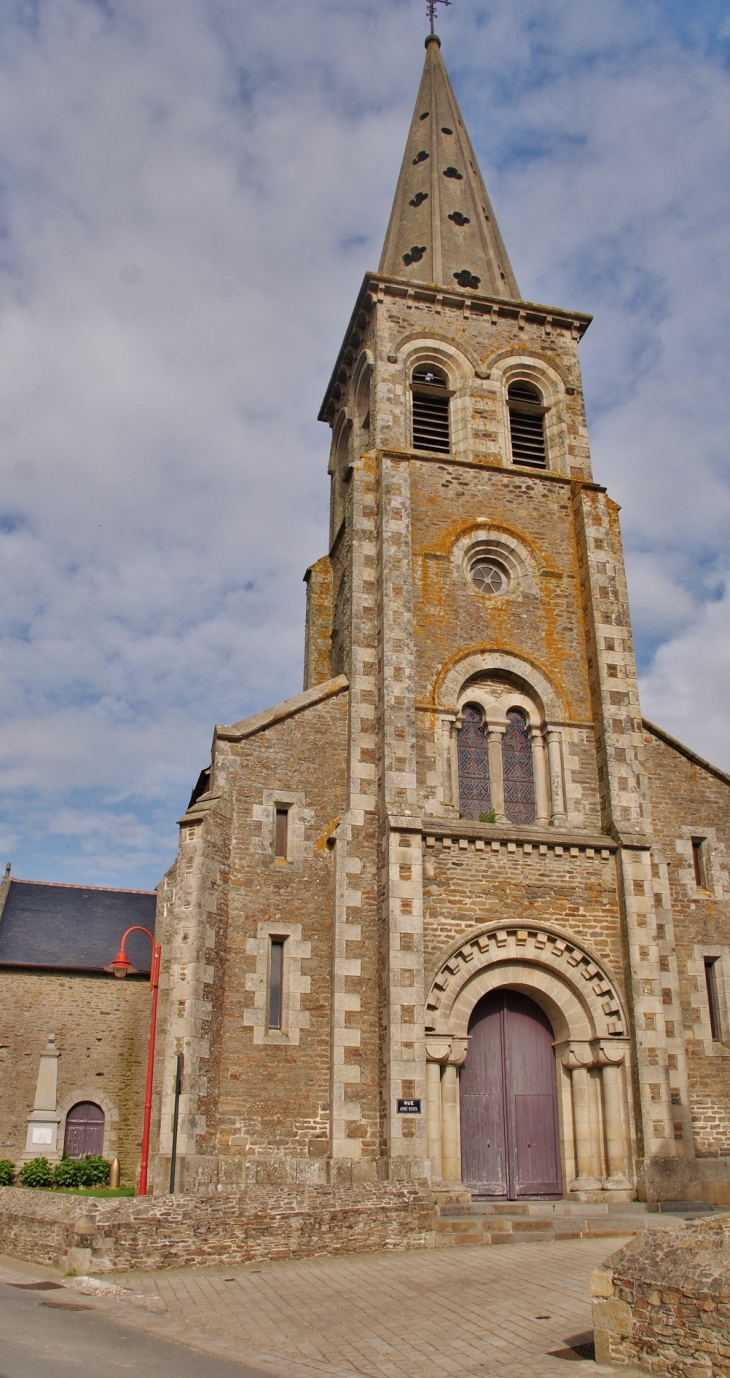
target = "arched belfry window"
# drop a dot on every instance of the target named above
(430, 409)
(474, 791)
(519, 784)
(527, 424)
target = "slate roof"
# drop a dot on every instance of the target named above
(73, 927)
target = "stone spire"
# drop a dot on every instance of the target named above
(442, 228)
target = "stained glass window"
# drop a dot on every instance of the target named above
(519, 786)
(474, 792)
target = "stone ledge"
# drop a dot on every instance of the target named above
(441, 828)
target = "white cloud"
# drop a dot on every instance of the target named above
(189, 195)
(687, 683)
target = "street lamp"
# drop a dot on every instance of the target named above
(121, 966)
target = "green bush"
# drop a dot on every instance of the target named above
(36, 1173)
(93, 1171)
(7, 1172)
(490, 817)
(66, 1173)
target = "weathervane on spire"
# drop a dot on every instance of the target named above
(431, 10)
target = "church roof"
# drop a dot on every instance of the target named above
(73, 927)
(442, 227)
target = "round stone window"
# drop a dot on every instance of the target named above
(489, 576)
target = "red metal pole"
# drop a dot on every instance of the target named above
(121, 966)
(154, 984)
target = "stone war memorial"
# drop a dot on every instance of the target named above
(455, 918)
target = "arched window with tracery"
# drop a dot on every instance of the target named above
(474, 791)
(519, 783)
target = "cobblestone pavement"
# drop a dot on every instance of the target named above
(445, 1313)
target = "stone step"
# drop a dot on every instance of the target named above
(512, 1227)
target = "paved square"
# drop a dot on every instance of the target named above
(493, 1312)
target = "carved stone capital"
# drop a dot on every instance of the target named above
(438, 1050)
(578, 1055)
(608, 1053)
(459, 1049)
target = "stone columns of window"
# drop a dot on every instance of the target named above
(539, 775)
(496, 772)
(559, 818)
(578, 1059)
(453, 770)
(609, 1057)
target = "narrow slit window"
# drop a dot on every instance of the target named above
(281, 835)
(527, 425)
(699, 858)
(276, 978)
(431, 428)
(713, 1003)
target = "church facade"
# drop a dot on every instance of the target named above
(455, 913)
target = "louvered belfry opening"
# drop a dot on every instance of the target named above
(527, 425)
(430, 410)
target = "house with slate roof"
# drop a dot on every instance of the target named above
(73, 1041)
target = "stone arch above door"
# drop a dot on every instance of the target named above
(581, 1000)
(577, 992)
(87, 1092)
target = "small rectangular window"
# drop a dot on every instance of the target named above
(276, 975)
(699, 858)
(712, 1000)
(281, 836)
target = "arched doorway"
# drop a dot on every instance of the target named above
(84, 1130)
(509, 1103)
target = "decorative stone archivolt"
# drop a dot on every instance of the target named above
(505, 358)
(416, 340)
(481, 661)
(580, 998)
(589, 1008)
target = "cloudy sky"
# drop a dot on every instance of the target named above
(190, 193)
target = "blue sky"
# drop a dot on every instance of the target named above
(190, 193)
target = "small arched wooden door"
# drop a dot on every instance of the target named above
(509, 1103)
(84, 1130)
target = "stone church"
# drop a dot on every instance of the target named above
(455, 913)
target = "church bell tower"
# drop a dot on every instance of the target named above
(474, 595)
(420, 927)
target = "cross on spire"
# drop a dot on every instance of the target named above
(431, 10)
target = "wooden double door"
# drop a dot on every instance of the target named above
(509, 1104)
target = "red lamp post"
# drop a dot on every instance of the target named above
(121, 966)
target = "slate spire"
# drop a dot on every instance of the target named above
(442, 228)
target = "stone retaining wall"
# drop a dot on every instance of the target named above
(92, 1235)
(663, 1302)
